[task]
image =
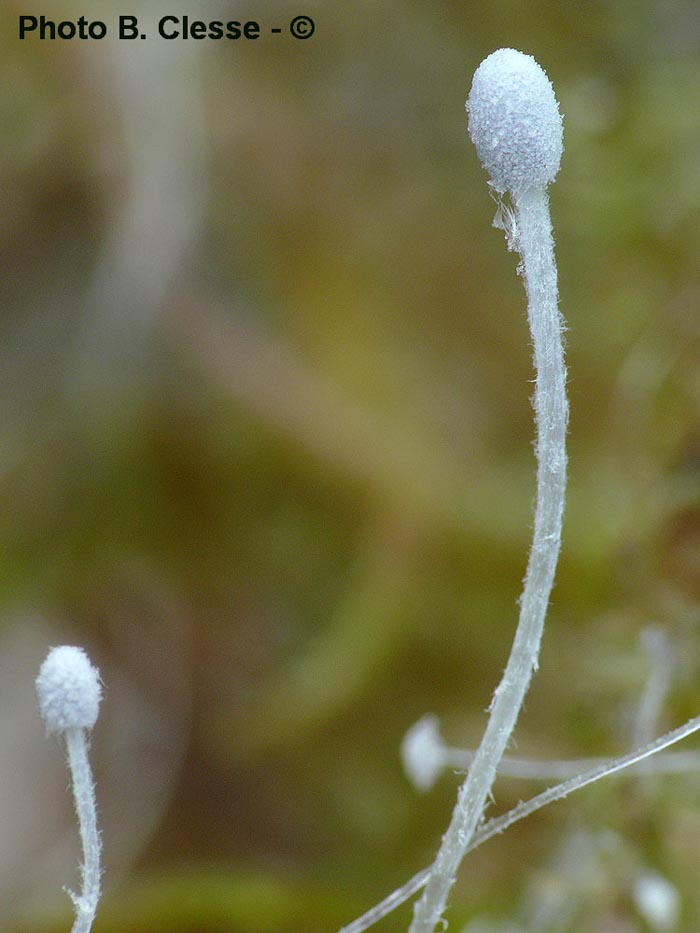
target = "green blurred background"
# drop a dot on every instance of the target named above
(266, 453)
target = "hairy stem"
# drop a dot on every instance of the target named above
(535, 244)
(85, 807)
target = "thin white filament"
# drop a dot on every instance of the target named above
(525, 769)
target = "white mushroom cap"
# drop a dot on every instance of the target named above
(514, 121)
(69, 690)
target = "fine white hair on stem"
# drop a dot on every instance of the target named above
(516, 127)
(524, 809)
(69, 692)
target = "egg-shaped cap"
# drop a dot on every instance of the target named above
(514, 121)
(68, 689)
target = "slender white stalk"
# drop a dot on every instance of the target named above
(86, 810)
(69, 692)
(426, 756)
(389, 904)
(641, 756)
(516, 127)
(524, 769)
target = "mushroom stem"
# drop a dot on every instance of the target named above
(86, 810)
(515, 125)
